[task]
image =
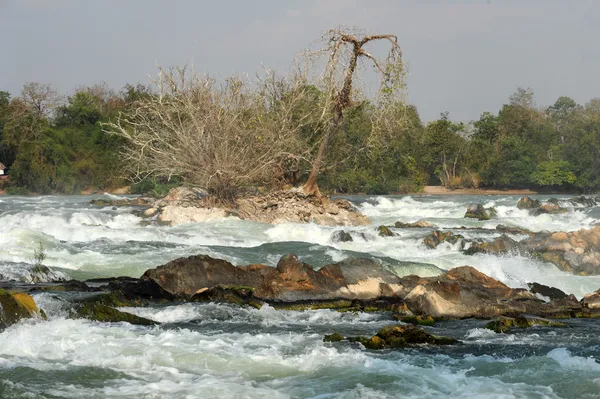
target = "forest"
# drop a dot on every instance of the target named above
(52, 144)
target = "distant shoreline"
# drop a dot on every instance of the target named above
(439, 190)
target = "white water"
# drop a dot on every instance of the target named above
(222, 351)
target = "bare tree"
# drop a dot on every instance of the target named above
(220, 137)
(41, 99)
(344, 51)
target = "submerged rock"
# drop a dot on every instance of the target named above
(514, 230)
(504, 324)
(551, 209)
(99, 312)
(15, 307)
(399, 336)
(437, 237)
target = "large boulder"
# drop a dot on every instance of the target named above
(464, 292)
(499, 246)
(291, 281)
(576, 252)
(546, 291)
(549, 209)
(15, 307)
(437, 237)
(591, 301)
(477, 211)
(528, 203)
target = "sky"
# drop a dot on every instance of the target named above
(464, 57)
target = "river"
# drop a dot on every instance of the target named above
(223, 351)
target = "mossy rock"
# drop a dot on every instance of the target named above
(341, 236)
(504, 324)
(235, 294)
(15, 307)
(107, 314)
(385, 231)
(399, 336)
(335, 337)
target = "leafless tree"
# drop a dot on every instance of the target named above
(220, 137)
(344, 51)
(41, 99)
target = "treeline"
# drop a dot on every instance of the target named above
(52, 144)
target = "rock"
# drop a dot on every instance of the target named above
(286, 206)
(99, 312)
(576, 252)
(400, 336)
(150, 212)
(544, 290)
(415, 225)
(335, 337)
(477, 211)
(290, 281)
(584, 201)
(528, 203)
(514, 230)
(437, 237)
(176, 215)
(122, 202)
(551, 209)
(385, 231)
(504, 324)
(501, 245)
(591, 301)
(15, 307)
(341, 236)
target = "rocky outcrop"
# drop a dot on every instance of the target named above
(547, 209)
(15, 307)
(419, 224)
(576, 252)
(499, 246)
(528, 203)
(545, 291)
(395, 337)
(384, 231)
(437, 237)
(477, 211)
(288, 206)
(504, 324)
(591, 301)
(355, 284)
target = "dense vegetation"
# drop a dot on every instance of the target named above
(55, 145)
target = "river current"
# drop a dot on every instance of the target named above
(223, 351)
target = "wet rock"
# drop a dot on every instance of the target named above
(122, 202)
(576, 252)
(437, 237)
(544, 290)
(499, 246)
(16, 306)
(341, 236)
(99, 312)
(591, 301)
(504, 324)
(385, 231)
(551, 209)
(514, 230)
(528, 203)
(291, 281)
(400, 336)
(477, 211)
(584, 201)
(335, 337)
(414, 225)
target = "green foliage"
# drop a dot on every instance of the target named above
(39, 255)
(155, 186)
(553, 173)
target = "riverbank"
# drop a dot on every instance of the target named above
(440, 190)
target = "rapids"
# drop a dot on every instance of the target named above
(222, 351)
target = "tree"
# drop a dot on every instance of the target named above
(344, 51)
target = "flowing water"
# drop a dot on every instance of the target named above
(218, 350)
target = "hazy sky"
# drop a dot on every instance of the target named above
(464, 57)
